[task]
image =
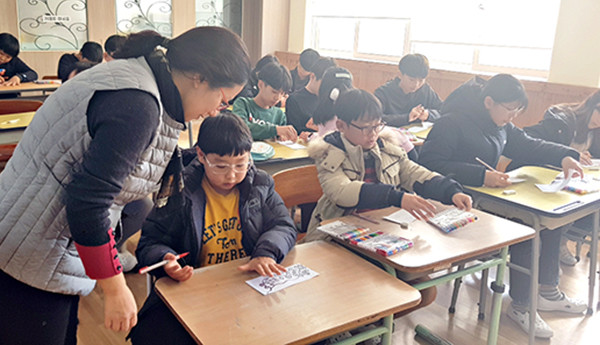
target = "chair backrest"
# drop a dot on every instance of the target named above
(298, 186)
(50, 77)
(12, 106)
(6, 151)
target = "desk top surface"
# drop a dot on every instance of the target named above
(30, 86)
(17, 120)
(528, 196)
(216, 305)
(284, 153)
(433, 249)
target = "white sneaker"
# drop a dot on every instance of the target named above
(542, 330)
(566, 257)
(128, 260)
(565, 303)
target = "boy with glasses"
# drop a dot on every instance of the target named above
(260, 113)
(361, 167)
(227, 210)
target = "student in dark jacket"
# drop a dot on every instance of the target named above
(576, 125)
(13, 71)
(300, 74)
(225, 200)
(90, 51)
(476, 122)
(408, 98)
(301, 104)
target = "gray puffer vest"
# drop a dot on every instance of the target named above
(35, 242)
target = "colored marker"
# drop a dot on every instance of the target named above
(161, 264)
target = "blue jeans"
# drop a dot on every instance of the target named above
(520, 254)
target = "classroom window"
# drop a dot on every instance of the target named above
(227, 13)
(52, 24)
(483, 36)
(140, 15)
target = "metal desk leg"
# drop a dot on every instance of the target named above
(593, 262)
(498, 288)
(535, 271)
(190, 134)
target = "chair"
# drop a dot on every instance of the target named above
(298, 186)
(12, 106)
(6, 151)
(50, 77)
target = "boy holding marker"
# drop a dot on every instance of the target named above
(227, 210)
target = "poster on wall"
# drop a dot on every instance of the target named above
(46, 25)
(140, 15)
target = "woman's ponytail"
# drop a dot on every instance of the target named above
(141, 44)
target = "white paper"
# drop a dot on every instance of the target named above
(292, 145)
(295, 274)
(514, 178)
(424, 125)
(401, 217)
(557, 184)
(336, 228)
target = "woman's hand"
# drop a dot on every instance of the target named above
(568, 163)
(495, 179)
(174, 269)
(462, 201)
(262, 265)
(120, 310)
(417, 206)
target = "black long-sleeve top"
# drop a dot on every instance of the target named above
(467, 131)
(17, 67)
(122, 124)
(397, 104)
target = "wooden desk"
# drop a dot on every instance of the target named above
(12, 126)
(216, 305)
(284, 158)
(542, 211)
(434, 250)
(27, 87)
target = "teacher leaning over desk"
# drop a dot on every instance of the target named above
(102, 140)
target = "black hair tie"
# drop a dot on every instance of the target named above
(165, 42)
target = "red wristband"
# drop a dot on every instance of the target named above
(101, 262)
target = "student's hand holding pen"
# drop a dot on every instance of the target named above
(496, 179)
(417, 206)
(585, 158)
(415, 113)
(174, 269)
(424, 114)
(287, 133)
(262, 265)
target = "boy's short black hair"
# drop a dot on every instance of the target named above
(9, 44)
(319, 67)
(91, 51)
(81, 66)
(504, 88)
(355, 104)
(114, 43)
(414, 65)
(224, 134)
(276, 76)
(308, 57)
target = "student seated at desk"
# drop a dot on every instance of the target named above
(13, 71)
(251, 87)
(360, 168)
(228, 210)
(408, 98)
(476, 122)
(301, 73)
(260, 113)
(90, 51)
(576, 125)
(112, 45)
(301, 104)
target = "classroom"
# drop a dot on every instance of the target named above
(302, 171)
